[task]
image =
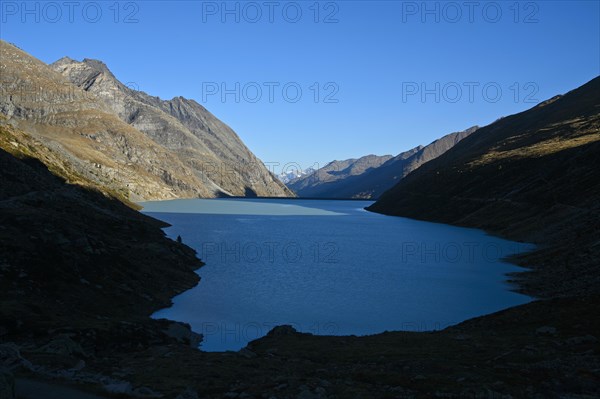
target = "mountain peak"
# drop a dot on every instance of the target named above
(65, 60)
(97, 65)
(88, 64)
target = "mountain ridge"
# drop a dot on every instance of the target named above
(81, 273)
(370, 183)
(193, 131)
(120, 137)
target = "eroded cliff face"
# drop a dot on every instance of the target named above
(124, 139)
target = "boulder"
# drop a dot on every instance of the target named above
(247, 353)
(183, 333)
(546, 330)
(120, 387)
(64, 346)
(586, 339)
(189, 393)
(282, 331)
(11, 358)
(145, 392)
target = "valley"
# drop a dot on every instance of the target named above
(98, 297)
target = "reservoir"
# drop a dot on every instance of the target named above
(330, 268)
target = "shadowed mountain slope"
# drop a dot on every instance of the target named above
(80, 273)
(531, 176)
(74, 259)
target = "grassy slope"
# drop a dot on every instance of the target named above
(22, 145)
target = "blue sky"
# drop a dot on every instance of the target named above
(376, 77)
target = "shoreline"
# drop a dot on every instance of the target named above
(115, 344)
(509, 284)
(410, 366)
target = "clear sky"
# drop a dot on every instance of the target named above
(376, 77)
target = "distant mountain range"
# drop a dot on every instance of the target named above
(125, 140)
(331, 179)
(370, 176)
(287, 176)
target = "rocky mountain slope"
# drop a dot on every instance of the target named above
(80, 272)
(334, 174)
(532, 176)
(370, 176)
(124, 139)
(73, 233)
(77, 287)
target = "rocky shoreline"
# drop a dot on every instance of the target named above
(545, 349)
(541, 350)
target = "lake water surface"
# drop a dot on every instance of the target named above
(330, 268)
